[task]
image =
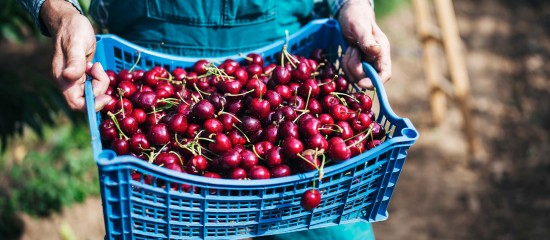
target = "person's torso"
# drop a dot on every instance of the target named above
(201, 28)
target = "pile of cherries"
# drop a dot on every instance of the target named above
(246, 120)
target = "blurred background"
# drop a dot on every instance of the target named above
(48, 179)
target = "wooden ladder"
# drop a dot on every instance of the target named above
(446, 37)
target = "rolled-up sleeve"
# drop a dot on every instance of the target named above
(335, 5)
(33, 8)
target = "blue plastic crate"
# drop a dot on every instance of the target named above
(358, 189)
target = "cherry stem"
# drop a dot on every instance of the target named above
(340, 129)
(325, 83)
(330, 129)
(321, 172)
(185, 146)
(239, 94)
(135, 64)
(345, 94)
(206, 139)
(365, 131)
(206, 149)
(115, 121)
(245, 57)
(170, 80)
(301, 114)
(362, 139)
(178, 155)
(257, 155)
(310, 163)
(257, 79)
(230, 114)
(308, 96)
(154, 154)
(238, 129)
(200, 91)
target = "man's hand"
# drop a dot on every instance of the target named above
(366, 42)
(74, 48)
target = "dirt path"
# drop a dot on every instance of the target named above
(438, 196)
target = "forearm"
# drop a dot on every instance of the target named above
(35, 9)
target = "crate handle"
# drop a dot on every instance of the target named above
(371, 73)
(92, 116)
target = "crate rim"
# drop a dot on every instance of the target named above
(107, 158)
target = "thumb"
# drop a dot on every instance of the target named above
(75, 61)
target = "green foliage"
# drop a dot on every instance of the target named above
(27, 99)
(384, 8)
(15, 23)
(60, 172)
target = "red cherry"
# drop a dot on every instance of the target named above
(346, 130)
(203, 110)
(127, 88)
(151, 78)
(167, 158)
(310, 126)
(317, 141)
(221, 143)
(254, 58)
(259, 172)
(248, 159)
(230, 159)
(314, 106)
(200, 67)
(341, 84)
(112, 78)
(178, 123)
(271, 133)
(241, 75)
(309, 87)
(274, 99)
(309, 163)
(108, 130)
(361, 122)
(120, 146)
(259, 108)
(238, 174)
(281, 75)
(274, 156)
(339, 152)
(158, 134)
(213, 125)
(329, 101)
(236, 137)
(197, 164)
(129, 125)
(254, 70)
(261, 148)
(140, 115)
(302, 72)
(147, 101)
(282, 170)
(311, 199)
(284, 91)
(373, 144)
(139, 143)
(292, 146)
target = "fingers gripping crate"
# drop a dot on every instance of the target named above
(184, 206)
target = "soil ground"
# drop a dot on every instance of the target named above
(442, 193)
